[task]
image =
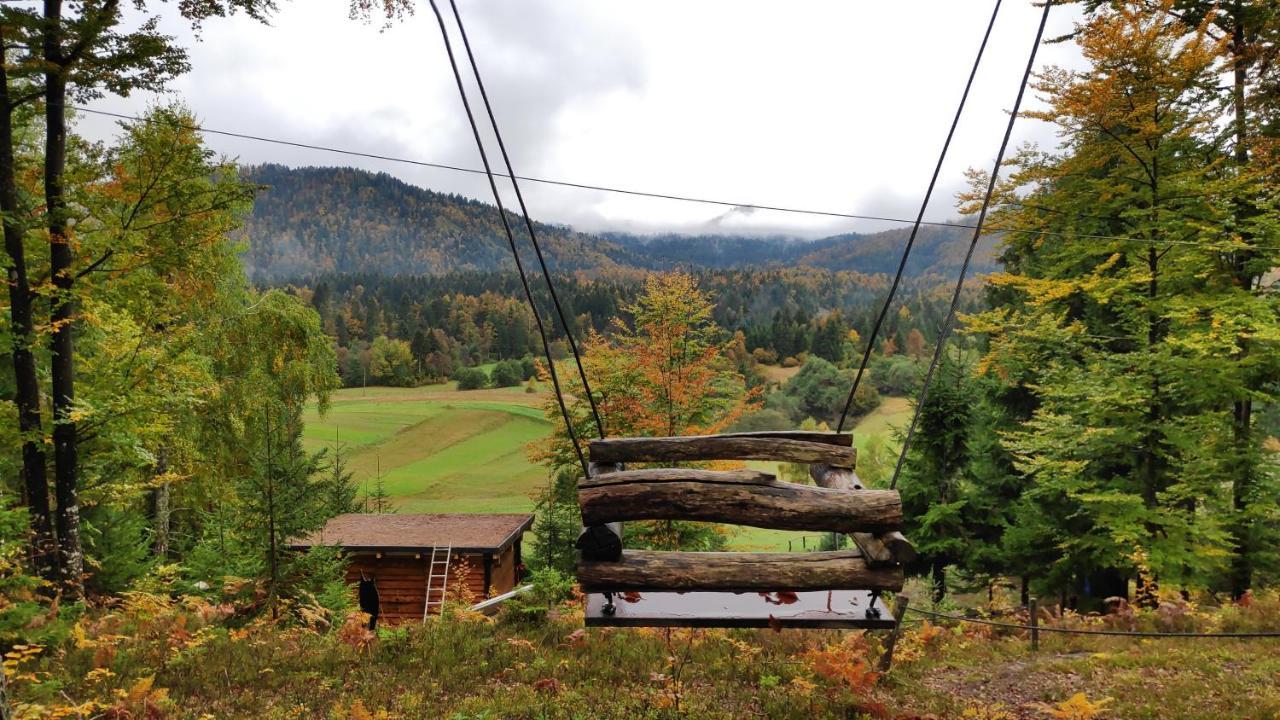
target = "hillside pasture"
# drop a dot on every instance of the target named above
(440, 449)
(437, 449)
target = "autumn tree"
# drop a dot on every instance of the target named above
(77, 51)
(665, 372)
(1124, 330)
(1247, 33)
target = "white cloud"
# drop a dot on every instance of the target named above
(831, 105)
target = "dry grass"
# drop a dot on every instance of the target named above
(158, 658)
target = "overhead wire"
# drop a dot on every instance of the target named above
(511, 239)
(657, 195)
(915, 228)
(528, 223)
(973, 244)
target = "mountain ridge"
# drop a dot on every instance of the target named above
(316, 220)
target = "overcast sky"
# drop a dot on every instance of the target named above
(839, 105)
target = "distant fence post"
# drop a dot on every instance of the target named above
(899, 610)
(1035, 624)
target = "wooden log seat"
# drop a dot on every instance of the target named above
(640, 570)
(739, 497)
(796, 447)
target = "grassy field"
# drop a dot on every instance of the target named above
(439, 449)
(777, 373)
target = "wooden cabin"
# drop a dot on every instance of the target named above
(396, 551)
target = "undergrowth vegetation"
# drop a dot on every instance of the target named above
(149, 655)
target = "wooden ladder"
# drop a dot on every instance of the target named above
(438, 569)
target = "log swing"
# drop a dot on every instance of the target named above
(836, 588)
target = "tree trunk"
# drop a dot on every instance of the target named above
(161, 508)
(1242, 482)
(272, 557)
(35, 483)
(61, 314)
(939, 576)
(161, 511)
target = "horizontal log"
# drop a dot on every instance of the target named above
(778, 505)
(829, 438)
(720, 447)
(641, 570)
(737, 477)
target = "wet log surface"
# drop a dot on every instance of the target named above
(737, 572)
(774, 505)
(721, 447)
(736, 477)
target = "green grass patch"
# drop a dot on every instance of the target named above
(443, 450)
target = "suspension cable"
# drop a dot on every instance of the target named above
(511, 240)
(973, 244)
(533, 237)
(915, 228)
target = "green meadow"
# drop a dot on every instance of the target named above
(439, 449)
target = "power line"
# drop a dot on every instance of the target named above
(528, 222)
(656, 195)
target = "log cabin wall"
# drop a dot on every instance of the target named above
(402, 579)
(504, 572)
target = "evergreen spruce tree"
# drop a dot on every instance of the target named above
(557, 522)
(337, 491)
(935, 491)
(377, 500)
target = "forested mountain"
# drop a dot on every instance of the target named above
(320, 220)
(311, 221)
(938, 251)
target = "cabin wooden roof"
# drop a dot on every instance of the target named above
(393, 532)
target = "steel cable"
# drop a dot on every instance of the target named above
(973, 244)
(915, 228)
(511, 240)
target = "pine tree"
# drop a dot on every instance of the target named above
(337, 490)
(278, 501)
(556, 525)
(829, 338)
(935, 492)
(377, 501)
